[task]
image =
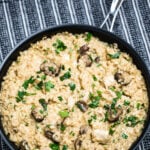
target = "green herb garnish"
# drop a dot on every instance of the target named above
(94, 78)
(62, 127)
(106, 116)
(67, 75)
(126, 103)
(33, 106)
(63, 113)
(124, 136)
(72, 86)
(59, 46)
(106, 107)
(27, 82)
(65, 147)
(21, 94)
(48, 86)
(115, 56)
(92, 118)
(112, 88)
(51, 69)
(111, 131)
(119, 94)
(139, 106)
(41, 111)
(88, 36)
(43, 103)
(94, 100)
(54, 146)
(131, 121)
(39, 85)
(43, 77)
(60, 98)
(115, 124)
(114, 101)
(72, 133)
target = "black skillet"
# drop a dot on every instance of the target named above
(102, 35)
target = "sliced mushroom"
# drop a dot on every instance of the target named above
(55, 137)
(82, 106)
(83, 129)
(119, 77)
(48, 134)
(37, 115)
(97, 59)
(114, 114)
(24, 145)
(77, 144)
(83, 49)
(87, 60)
(50, 68)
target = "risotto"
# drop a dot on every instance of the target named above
(73, 92)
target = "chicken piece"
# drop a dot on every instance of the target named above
(101, 136)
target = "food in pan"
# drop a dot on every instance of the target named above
(73, 92)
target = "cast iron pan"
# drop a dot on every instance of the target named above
(102, 35)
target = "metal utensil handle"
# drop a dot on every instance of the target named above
(115, 6)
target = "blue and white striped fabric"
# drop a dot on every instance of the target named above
(21, 18)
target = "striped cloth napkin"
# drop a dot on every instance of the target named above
(21, 18)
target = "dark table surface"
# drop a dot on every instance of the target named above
(21, 18)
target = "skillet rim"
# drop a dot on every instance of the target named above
(83, 28)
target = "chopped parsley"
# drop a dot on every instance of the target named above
(54, 146)
(139, 106)
(60, 98)
(59, 46)
(92, 118)
(88, 36)
(94, 103)
(27, 82)
(67, 75)
(124, 136)
(43, 77)
(33, 106)
(48, 86)
(106, 116)
(115, 55)
(94, 78)
(126, 103)
(63, 113)
(39, 85)
(119, 94)
(114, 101)
(51, 69)
(72, 86)
(43, 103)
(62, 127)
(72, 133)
(131, 121)
(21, 94)
(94, 99)
(111, 131)
(41, 111)
(106, 107)
(65, 147)
(115, 124)
(112, 88)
